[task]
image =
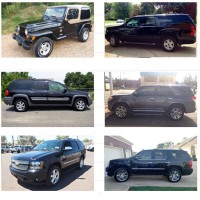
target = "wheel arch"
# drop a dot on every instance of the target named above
(80, 97)
(177, 104)
(21, 96)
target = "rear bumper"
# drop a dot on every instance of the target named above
(8, 100)
(186, 172)
(22, 41)
(187, 40)
(30, 176)
(89, 101)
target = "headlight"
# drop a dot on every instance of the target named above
(36, 165)
(26, 31)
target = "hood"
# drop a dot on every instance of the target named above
(78, 92)
(120, 160)
(41, 24)
(32, 155)
(121, 95)
(114, 27)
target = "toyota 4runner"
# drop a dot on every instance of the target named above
(47, 160)
(167, 30)
(173, 100)
(171, 163)
(58, 22)
(24, 93)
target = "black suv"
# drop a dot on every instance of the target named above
(58, 22)
(165, 30)
(45, 163)
(174, 100)
(24, 93)
(170, 163)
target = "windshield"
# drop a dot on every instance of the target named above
(56, 13)
(52, 145)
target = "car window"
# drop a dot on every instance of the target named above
(21, 85)
(182, 91)
(146, 91)
(148, 21)
(74, 145)
(73, 13)
(67, 144)
(55, 87)
(81, 145)
(133, 22)
(85, 13)
(40, 85)
(160, 155)
(176, 155)
(56, 11)
(144, 155)
(163, 91)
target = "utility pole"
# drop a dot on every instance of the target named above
(111, 84)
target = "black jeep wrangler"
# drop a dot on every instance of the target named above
(166, 30)
(45, 163)
(24, 93)
(58, 22)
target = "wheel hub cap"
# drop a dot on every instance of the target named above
(55, 176)
(122, 175)
(174, 176)
(80, 105)
(168, 44)
(176, 113)
(112, 41)
(20, 105)
(85, 35)
(45, 48)
(121, 111)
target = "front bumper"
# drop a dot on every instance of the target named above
(8, 100)
(110, 171)
(25, 43)
(30, 176)
(89, 101)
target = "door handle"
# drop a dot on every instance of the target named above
(167, 162)
(151, 98)
(149, 162)
(170, 98)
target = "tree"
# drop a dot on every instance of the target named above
(165, 145)
(170, 6)
(147, 8)
(3, 139)
(190, 81)
(6, 78)
(60, 137)
(86, 140)
(39, 141)
(136, 10)
(122, 10)
(26, 140)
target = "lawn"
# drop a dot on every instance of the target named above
(155, 188)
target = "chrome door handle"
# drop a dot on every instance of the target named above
(167, 162)
(149, 162)
(151, 98)
(170, 98)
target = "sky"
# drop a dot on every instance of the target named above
(150, 140)
(58, 76)
(135, 75)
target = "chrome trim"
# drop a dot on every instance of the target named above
(71, 161)
(58, 99)
(148, 169)
(39, 98)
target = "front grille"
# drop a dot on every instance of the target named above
(22, 31)
(20, 164)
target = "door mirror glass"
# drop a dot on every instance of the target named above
(68, 148)
(69, 16)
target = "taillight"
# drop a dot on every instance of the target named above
(190, 163)
(193, 97)
(192, 31)
(7, 93)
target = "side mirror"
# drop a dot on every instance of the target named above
(64, 90)
(68, 148)
(136, 93)
(69, 16)
(136, 157)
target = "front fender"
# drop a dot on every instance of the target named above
(40, 34)
(86, 25)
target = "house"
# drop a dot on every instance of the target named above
(152, 78)
(116, 147)
(189, 145)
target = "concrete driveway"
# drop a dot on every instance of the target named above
(47, 117)
(147, 51)
(139, 180)
(74, 180)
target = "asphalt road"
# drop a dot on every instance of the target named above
(74, 180)
(147, 51)
(189, 120)
(140, 180)
(64, 48)
(47, 117)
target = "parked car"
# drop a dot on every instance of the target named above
(5, 149)
(58, 22)
(167, 30)
(90, 148)
(28, 148)
(17, 148)
(47, 160)
(168, 162)
(120, 21)
(172, 100)
(25, 93)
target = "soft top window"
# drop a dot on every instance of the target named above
(85, 13)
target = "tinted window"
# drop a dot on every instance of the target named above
(40, 85)
(85, 13)
(53, 86)
(144, 155)
(67, 144)
(146, 91)
(73, 13)
(148, 21)
(133, 22)
(163, 91)
(74, 145)
(176, 155)
(81, 145)
(182, 91)
(21, 85)
(160, 155)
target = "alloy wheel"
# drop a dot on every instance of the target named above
(55, 175)
(20, 105)
(176, 113)
(121, 111)
(174, 175)
(85, 35)
(80, 105)
(45, 48)
(122, 175)
(169, 44)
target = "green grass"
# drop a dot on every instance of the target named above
(11, 20)
(110, 21)
(155, 188)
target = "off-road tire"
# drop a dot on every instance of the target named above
(84, 35)
(20, 105)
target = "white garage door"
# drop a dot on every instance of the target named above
(111, 153)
